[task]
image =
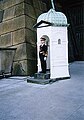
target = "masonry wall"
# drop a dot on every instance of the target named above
(16, 31)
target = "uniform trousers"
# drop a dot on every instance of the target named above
(43, 63)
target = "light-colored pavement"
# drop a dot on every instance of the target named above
(62, 100)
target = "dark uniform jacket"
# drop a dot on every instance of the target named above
(43, 51)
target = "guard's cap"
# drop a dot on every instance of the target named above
(42, 39)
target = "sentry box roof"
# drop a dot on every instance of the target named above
(51, 18)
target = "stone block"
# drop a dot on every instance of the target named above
(29, 22)
(20, 67)
(19, 9)
(40, 5)
(43, 6)
(1, 5)
(42, 75)
(30, 11)
(9, 3)
(40, 81)
(1, 28)
(19, 22)
(13, 11)
(31, 67)
(21, 53)
(24, 67)
(30, 36)
(6, 40)
(38, 12)
(29, 2)
(8, 13)
(36, 4)
(18, 36)
(31, 52)
(7, 55)
(13, 24)
(7, 26)
(1, 15)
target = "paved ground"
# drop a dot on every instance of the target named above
(62, 100)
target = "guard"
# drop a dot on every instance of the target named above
(43, 54)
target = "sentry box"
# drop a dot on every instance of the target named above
(53, 26)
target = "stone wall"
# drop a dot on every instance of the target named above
(17, 18)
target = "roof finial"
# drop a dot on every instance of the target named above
(52, 4)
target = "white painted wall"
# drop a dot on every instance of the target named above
(58, 52)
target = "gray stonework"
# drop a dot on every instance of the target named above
(1, 15)
(6, 60)
(62, 100)
(17, 18)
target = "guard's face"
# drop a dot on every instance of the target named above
(42, 41)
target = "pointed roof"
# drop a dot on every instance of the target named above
(56, 18)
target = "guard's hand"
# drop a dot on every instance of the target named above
(45, 58)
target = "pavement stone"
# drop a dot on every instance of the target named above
(62, 100)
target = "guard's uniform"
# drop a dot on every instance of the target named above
(43, 56)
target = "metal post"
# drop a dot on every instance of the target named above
(52, 4)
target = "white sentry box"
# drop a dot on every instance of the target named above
(57, 36)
